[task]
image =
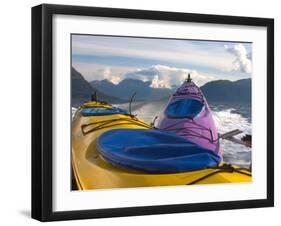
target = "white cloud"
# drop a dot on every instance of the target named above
(162, 76)
(242, 61)
(107, 74)
(157, 83)
(92, 71)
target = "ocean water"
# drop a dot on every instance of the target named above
(230, 118)
(227, 117)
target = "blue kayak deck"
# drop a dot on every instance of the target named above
(154, 151)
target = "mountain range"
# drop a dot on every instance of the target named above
(127, 87)
(82, 90)
(215, 91)
(228, 91)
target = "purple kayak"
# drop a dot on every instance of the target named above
(188, 115)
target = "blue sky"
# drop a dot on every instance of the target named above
(166, 62)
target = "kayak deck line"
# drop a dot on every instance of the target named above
(111, 122)
(225, 168)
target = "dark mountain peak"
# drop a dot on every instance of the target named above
(244, 82)
(75, 74)
(102, 82)
(218, 82)
(80, 87)
(128, 86)
(230, 91)
(133, 84)
(106, 81)
(228, 82)
(131, 81)
(82, 90)
(73, 70)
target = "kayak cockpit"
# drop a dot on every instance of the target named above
(184, 108)
(154, 151)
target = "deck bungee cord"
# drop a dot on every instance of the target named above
(225, 168)
(109, 123)
(133, 120)
(189, 130)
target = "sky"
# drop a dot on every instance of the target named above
(164, 62)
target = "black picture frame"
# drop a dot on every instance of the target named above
(42, 108)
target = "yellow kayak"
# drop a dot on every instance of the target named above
(92, 171)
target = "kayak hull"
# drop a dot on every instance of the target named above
(92, 171)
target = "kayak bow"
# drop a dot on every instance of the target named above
(188, 115)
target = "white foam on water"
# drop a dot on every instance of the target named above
(227, 120)
(149, 111)
(73, 111)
